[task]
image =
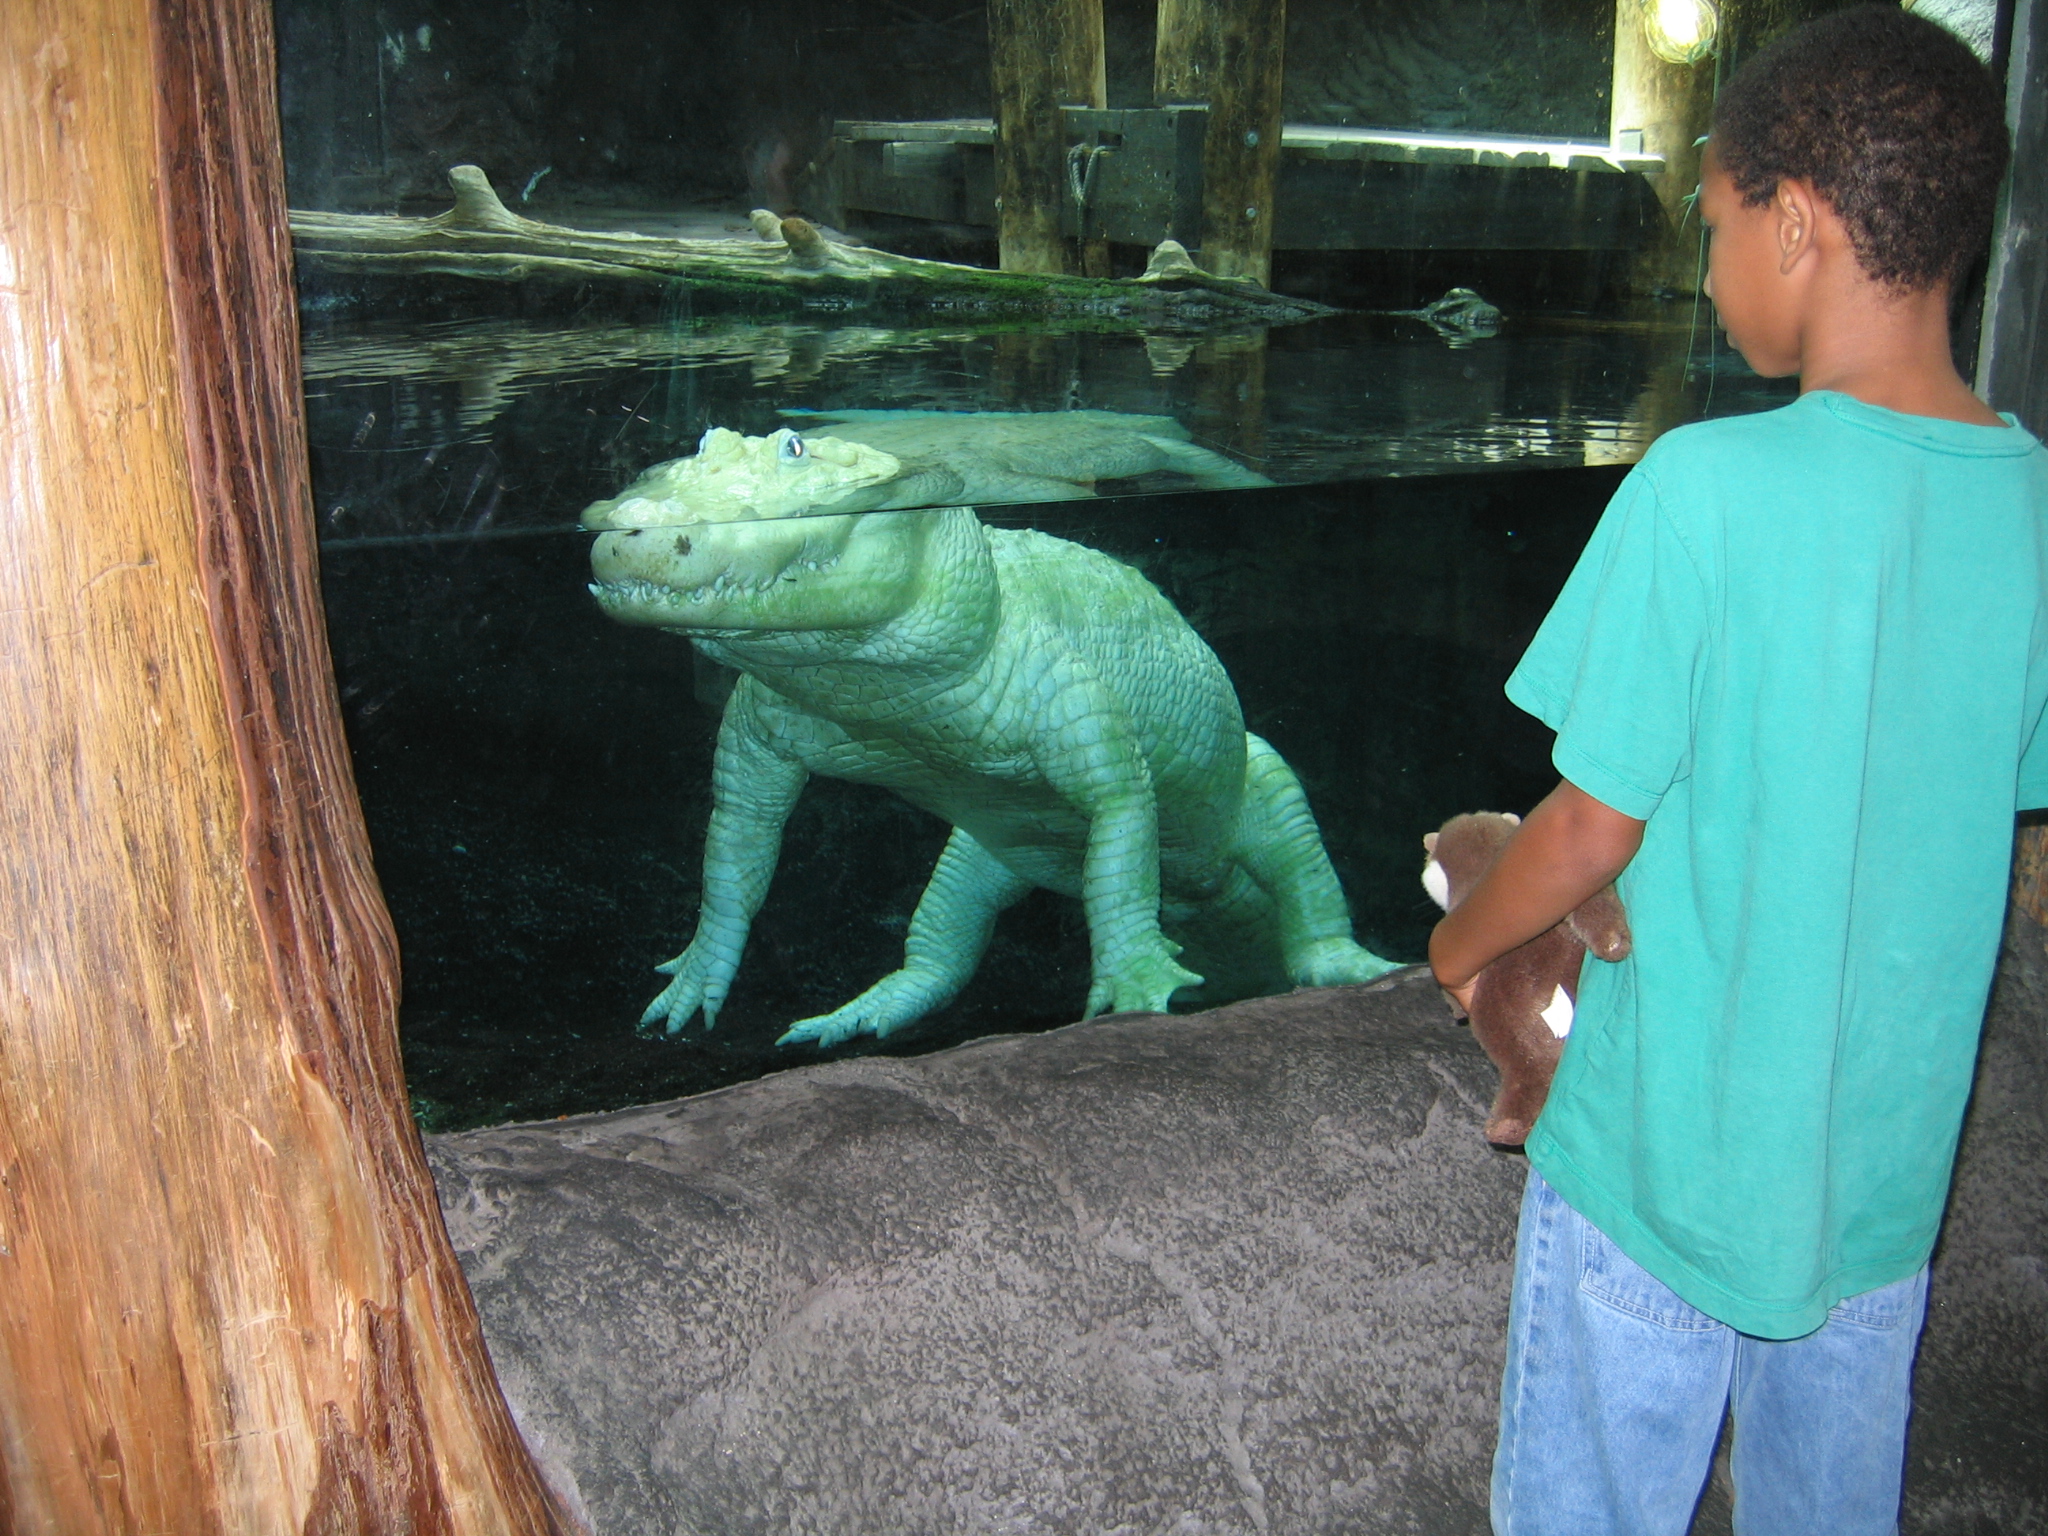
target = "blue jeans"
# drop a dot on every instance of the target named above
(1612, 1400)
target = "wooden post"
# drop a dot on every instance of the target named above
(227, 1303)
(1230, 54)
(1043, 55)
(1661, 108)
(1183, 52)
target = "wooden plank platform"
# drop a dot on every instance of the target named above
(1138, 176)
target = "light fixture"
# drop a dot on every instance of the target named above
(1681, 31)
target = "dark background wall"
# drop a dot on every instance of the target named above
(2014, 373)
(630, 104)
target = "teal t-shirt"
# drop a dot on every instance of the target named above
(1809, 649)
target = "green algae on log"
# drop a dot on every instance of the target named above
(798, 268)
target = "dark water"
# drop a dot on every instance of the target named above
(536, 778)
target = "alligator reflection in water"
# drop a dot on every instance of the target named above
(466, 427)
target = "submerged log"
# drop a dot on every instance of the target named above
(480, 239)
(227, 1301)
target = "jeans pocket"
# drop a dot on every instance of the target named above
(1609, 1275)
(1886, 1307)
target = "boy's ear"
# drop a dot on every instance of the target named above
(1429, 842)
(1796, 207)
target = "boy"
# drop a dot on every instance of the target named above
(1796, 679)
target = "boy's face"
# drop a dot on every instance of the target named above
(1746, 273)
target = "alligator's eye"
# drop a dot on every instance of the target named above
(792, 449)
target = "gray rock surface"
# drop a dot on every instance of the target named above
(1241, 1271)
(1978, 1460)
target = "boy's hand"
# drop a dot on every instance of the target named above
(1569, 847)
(1460, 998)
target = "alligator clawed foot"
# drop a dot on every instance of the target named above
(1337, 962)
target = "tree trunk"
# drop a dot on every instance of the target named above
(1043, 55)
(227, 1302)
(1662, 108)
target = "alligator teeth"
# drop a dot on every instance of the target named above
(724, 586)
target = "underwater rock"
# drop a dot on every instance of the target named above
(1241, 1271)
(1042, 698)
(792, 267)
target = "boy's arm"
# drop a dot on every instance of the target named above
(1569, 847)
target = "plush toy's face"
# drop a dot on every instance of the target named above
(1462, 852)
(1464, 849)
(1434, 880)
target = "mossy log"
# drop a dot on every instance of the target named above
(794, 267)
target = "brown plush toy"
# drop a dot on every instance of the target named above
(1522, 1003)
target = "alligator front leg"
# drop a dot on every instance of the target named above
(948, 934)
(1094, 762)
(753, 789)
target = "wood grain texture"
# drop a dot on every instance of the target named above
(1241, 151)
(226, 1299)
(1670, 105)
(1043, 55)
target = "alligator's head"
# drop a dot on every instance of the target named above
(758, 533)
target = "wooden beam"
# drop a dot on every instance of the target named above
(1230, 54)
(1043, 55)
(227, 1303)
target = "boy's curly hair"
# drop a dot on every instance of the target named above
(1892, 119)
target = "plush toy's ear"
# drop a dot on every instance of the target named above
(1429, 842)
(1511, 818)
(1599, 923)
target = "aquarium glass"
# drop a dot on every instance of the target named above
(1359, 482)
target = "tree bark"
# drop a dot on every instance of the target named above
(1043, 55)
(1669, 106)
(227, 1303)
